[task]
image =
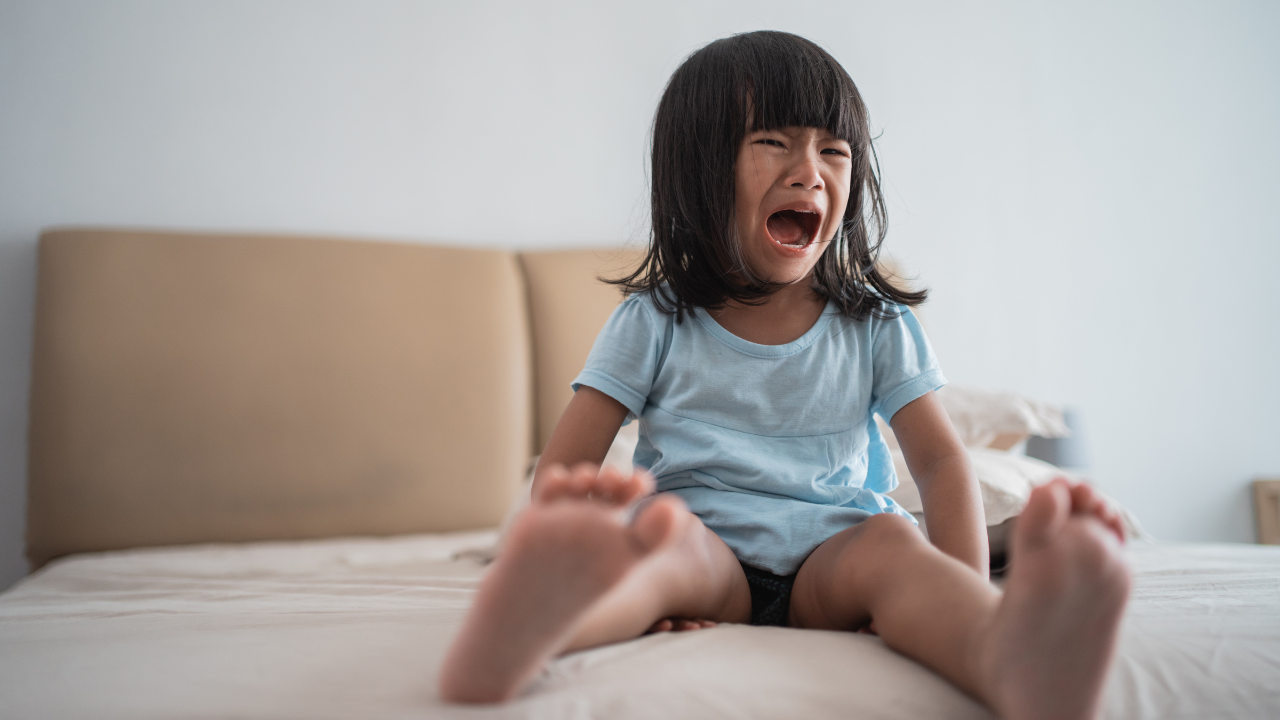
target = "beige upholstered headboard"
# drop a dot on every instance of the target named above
(567, 307)
(221, 388)
(193, 388)
(198, 388)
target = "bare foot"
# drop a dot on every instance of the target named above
(606, 486)
(1049, 647)
(562, 553)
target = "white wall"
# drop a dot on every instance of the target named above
(1090, 188)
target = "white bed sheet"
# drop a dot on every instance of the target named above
(357, 628)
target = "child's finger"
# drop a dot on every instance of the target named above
(663, 625)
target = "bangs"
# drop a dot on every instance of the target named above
(787, 81)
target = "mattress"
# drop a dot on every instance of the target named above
(357, 628)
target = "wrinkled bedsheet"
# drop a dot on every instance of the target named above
(357, 628)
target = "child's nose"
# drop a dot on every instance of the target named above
(804, 174)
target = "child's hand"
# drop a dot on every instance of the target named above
(587, 481)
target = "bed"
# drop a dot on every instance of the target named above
(266, 474)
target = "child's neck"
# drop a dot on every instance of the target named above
(784, 317)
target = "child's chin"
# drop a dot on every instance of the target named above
(785, 276)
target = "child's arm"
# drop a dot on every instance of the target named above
(584, 433)
(948, 487)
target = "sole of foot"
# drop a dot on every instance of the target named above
(1054, 635)
(559, 557)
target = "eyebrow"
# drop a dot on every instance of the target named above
(824, 134)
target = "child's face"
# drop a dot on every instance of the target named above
(792, 186)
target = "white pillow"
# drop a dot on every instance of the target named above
(986, 418)
(981, 416)
(1005, 481)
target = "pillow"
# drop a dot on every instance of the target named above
(1005, 481)
(989, 423)
(986, 418)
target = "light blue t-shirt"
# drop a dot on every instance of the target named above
(774, 447)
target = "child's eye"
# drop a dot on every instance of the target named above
(770, 141)
(834, 151)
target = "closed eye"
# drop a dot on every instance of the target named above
(770, 141)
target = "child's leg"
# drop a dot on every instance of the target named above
(1041, 650)
(572, 575)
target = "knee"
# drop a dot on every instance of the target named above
(879, 542)
(847, 571)
(888, 531)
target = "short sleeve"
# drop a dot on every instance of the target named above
(626, 354)
(903, 365)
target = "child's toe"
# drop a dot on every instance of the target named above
(551, 484)
(1045, 513)
(582, 479)
(608, 486)
(657, 521)
(1084, 500)
(634, 486)
(1111, 518)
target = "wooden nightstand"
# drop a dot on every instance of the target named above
(1266, 507)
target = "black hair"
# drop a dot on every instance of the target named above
(760, 81)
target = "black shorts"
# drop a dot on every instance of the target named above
(770, 596)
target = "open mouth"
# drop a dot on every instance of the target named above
(796, 228)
